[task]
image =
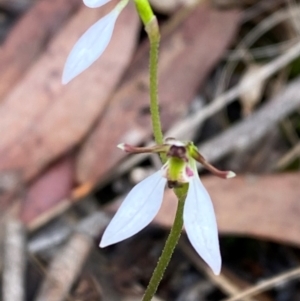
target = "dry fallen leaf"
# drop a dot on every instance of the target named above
(265, 207)
(41, 119)
(48, 190)
(29, 37)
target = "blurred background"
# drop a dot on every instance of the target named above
(229, 79)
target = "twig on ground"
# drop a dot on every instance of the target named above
(264, 52)
(91, 225)
(68, 262)
(65, 268)
(251, 129)
(14, 261)
(182, 128)
(259, 8)
(242, 49)
(290, 132)
(293, 18)
(16, 5)
(288, 157)
(44, 218)
(267, 284)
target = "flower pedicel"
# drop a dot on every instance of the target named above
(144, 201)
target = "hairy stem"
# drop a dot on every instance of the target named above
(168, 248)
(152, 29)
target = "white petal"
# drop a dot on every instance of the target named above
(200, 224)
(90, 46)
(137, 210)
(95, 3)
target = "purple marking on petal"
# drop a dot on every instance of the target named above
(189, 171)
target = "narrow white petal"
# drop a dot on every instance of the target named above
(137, 210)
(90, 46)
(95, 3)
(200, 224)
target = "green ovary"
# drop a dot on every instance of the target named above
(176, 169)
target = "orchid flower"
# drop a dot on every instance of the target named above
(144, 201)
(93, 42)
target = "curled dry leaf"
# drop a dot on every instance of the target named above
(41, 119)
(252, 96)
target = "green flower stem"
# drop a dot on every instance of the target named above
(169, 246)
(144, 10)
(152, 30)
